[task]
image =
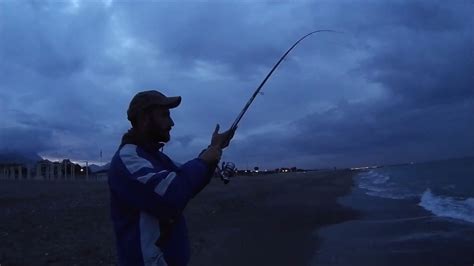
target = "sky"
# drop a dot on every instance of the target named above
(396, 86)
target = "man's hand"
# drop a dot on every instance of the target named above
(222, 140)
(211, 155)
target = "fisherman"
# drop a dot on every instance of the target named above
(149, 191)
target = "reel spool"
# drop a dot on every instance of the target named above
(226, 171)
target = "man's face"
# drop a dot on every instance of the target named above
(160, 124)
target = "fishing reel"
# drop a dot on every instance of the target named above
(226, 171)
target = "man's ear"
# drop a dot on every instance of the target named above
(142, 120)
(146, 120)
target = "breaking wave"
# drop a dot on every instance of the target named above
(378, 185)
(443, 206)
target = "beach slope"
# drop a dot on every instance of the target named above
(266, 220)
(254, 220)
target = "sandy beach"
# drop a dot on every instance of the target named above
(256, 220)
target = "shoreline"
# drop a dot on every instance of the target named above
(266, 220)
(394, 232)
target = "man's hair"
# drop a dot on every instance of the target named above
(142, 113)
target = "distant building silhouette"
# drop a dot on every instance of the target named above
(48, 170)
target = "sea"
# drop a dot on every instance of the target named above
(411, 214)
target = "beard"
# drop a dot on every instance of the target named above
(159, 134)
(164, 136)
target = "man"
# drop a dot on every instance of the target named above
(149, 191)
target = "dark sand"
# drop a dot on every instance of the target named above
(264, 220)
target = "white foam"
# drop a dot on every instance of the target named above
(372, 180)
(448, 206)
(388, 194)
(375, 177)
(377, 185)
(381, 179)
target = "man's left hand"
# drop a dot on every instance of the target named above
(222, 140)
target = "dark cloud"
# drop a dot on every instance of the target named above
(425, 69)
(396, 85)
(27, 140)
(383, 133)
(43, 37)
(219, 33)
(184, 140)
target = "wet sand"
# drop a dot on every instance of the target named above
(258, 220)
(266, 220)
(393, 232)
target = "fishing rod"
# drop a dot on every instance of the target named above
(222, 173)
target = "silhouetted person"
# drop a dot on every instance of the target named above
(149, 191)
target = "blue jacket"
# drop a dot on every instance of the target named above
(148, 193)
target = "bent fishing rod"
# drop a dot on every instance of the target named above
(226, 170)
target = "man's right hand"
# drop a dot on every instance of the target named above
(212, 155)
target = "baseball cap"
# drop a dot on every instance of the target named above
(145, 99)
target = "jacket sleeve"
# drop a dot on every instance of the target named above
(160, 192)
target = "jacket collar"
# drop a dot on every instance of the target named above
(131, 137)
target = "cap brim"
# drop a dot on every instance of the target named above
(171, 102)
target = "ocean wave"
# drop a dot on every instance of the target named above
(381, 179)
(396, 220)
(448, 206)
(377, 185)
(391, 194)
(426, 235)
(375, 177)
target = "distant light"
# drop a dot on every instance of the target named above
(82, 170)
(256, 171)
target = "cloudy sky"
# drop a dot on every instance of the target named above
(396, 86)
